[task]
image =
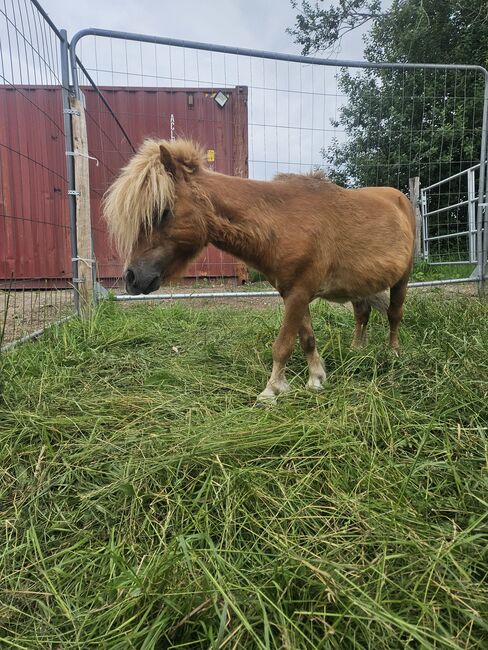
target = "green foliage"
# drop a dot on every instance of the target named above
(422, 271)
(317, 28)
(255, 276)
(147, 503)
(405, 124)
(400, 124)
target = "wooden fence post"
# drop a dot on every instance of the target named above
(240, 154)
(86, 261)
(414, 194)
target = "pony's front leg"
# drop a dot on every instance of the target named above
(295, 309)
(315, 364)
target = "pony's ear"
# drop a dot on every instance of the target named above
(167, 160)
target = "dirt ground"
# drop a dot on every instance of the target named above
(262, 302)
(27, 311)
(259, 302)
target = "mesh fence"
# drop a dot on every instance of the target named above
(35, 256)
(257, 117)
(449, 209)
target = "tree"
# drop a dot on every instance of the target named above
(399, 124)
(318, 29)
(402, 123)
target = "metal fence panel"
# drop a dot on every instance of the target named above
(35, 245)
(256, 113)
(414, 120)
(449, 210)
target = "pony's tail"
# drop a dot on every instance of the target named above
(380, 301)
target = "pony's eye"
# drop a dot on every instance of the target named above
(161, 217)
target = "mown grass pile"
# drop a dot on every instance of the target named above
(146, 503)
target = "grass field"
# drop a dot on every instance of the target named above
(423, 272)
(147, 503)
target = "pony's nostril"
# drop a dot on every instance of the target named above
(129, 276)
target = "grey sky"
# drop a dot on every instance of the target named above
(291, 106)
(258, 24)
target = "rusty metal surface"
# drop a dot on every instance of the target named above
(33, 211)
(34, 220)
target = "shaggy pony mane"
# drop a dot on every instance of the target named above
(144, 190)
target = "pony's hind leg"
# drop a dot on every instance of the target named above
(315, 363)
(295, 308)
(362, 310)
(395, 310)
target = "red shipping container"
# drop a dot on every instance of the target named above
(34, 217)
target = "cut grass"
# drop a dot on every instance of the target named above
(147, 503)
(423, 272)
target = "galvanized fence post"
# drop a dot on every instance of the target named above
(70, 164)
(425, 225)
(414, 195)
(482, 220)
(472, 215)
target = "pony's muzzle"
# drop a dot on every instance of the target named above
(136, 283)
(129, 276)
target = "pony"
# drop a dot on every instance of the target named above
(310, 237)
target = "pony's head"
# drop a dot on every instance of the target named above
(155, 213)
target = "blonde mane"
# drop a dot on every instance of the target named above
(144, 190)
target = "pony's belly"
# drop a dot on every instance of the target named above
(356, 284)
(340, 297)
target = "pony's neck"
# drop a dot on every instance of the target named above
(239, 222)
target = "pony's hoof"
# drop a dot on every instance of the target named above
(316, 383)
(266, 398)
(359, 345)
(270, 393)
(266, 402)
(317, 377)
(316, 387)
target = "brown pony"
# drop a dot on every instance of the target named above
(310, 237)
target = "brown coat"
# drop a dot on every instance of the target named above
(310, 237)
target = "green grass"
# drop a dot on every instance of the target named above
(423, 272)
(147, 503)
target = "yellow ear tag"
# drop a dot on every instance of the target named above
(210, 155)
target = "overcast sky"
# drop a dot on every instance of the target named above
(257, 24)
(291, 108)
